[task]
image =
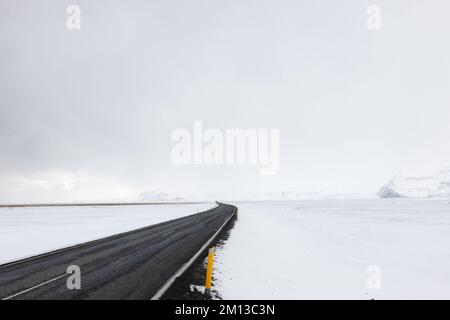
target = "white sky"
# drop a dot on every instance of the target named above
(88, 115)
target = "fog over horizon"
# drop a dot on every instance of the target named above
(88, 114)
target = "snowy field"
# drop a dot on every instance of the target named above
(323, 249)
(26, 232)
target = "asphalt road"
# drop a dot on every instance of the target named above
(132, 265)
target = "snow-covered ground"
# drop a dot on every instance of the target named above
(332, 248)
(29, 231)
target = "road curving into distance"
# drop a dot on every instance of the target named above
(139, 264)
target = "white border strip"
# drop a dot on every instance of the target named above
(184, 267)
(35, 287)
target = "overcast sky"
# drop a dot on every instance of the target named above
(88, 114)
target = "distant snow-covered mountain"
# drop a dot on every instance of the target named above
(158, 195)
(306, 195)
(161, 195)
(436, 186)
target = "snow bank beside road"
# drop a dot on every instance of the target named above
(322, 249)
(29, 231)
